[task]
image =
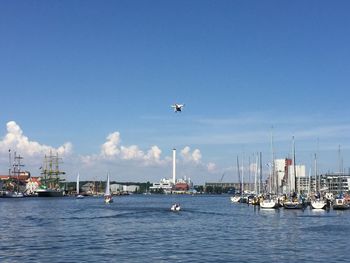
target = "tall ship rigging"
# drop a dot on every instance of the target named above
(14, 177)
(50, 177)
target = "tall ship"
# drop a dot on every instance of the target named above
(14, 187)
(50, 177)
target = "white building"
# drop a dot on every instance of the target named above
(165, 184)
(116, 188)
(130, 188)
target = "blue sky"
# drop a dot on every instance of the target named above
(77, 71)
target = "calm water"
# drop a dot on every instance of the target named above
(142, 229)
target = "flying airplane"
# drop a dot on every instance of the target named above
(177, 107)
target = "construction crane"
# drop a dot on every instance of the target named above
(222, 177)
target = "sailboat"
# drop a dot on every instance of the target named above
(107, 196)
(78, 196)
(238, 196)
(317, 203)
(294, 202)
(269, 203)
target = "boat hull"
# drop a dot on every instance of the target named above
(108, 199)
(268, 204)
(12, 195)
(235, 199)
(318, 204)
(49, 193)
(341, 204)
(293, 205)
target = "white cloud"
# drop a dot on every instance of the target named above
(110, 147)
(187, 156)
(154, 154)
(196, 156)
(211, 167)
(112, 150)
(16, 141)
(131, 153)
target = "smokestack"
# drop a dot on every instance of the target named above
(174, 166)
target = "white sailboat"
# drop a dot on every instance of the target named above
(78, 196)
(107, 196)
(294, 202)
(318, 203)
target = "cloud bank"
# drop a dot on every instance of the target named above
(129, 160)
(113, 150)
(17, 141)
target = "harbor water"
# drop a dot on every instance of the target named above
(141, 228)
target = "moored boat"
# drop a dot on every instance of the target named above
(318, 204)
(16, 172)
(14, 194)
(293, 205)
(340, 203)
(45, 192)
(269, 203)
(50, 180)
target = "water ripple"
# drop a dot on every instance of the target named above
(143, 229)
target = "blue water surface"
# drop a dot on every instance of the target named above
(141, 228)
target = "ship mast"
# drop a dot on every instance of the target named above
(51, 171)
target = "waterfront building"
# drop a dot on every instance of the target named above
(164, 184)
(130, 188)
(116, 188)
(335, 183)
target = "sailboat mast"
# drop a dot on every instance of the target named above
(256, 174)
(294, 168)
(239, 176)
(260, 171)
(243, 174)
(272, 166)
(317, 188)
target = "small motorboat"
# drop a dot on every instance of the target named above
(79, 196)
(235, 199)
(175, 207)
(340, 204)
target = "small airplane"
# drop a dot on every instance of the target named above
(177, 107)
